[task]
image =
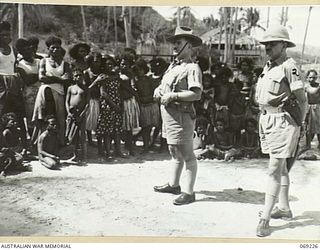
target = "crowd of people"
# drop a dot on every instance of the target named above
(47, 103)
(111, 96)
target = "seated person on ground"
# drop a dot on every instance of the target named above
(220, 144)
(48, 145)
(200, 134)
(12, 151)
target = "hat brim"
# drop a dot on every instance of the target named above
(290, 44)
(195, 41)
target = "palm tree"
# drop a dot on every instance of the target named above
(252, 19)
(210, 22)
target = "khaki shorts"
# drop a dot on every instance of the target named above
(279, 134)
(177, 126)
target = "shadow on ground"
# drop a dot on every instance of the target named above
(308, 218)
(233, 195)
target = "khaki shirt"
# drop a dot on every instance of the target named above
(273, 83)
(181, 77)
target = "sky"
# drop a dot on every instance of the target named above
(297, 20)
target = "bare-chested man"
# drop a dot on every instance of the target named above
(76, 106)
(48, 145)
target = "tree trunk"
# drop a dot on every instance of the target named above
(220, 34)
(285, 20)
(108, 22)
(20, 20)
(305, 33)
(234, 35)
(84, 24)
(268, 17)
(115, 27)
(178, 16)
(282, 16)
(225, 14)
(126, 26)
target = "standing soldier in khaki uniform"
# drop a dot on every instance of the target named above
(279, 133)
(180, 86)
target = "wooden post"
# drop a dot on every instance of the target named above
(220, 35)
(285, 17)
(108, 22)
(20, 20)
(235, 26)
(268, 17)
(225, 14)
(126, 26)
(115, 27)
(305, 33)
(84, 24)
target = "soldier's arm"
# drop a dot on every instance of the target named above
(297, 86)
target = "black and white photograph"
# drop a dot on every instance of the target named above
(157, 123)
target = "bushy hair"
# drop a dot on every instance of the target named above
(201, 121)
(21, 44)
(141, 64)
(53, 40)
(311, 70)
(33, 40)
(203, 62)
(246, 60)
(258, 71)
(90, 58)
(225, 71)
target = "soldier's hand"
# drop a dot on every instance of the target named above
(168, 97)
(157, 94)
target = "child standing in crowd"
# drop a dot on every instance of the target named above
(48, 145)
(78, 53)
(237, 110)
(244, 75)
(149, 108)
(76, 105)
(206, 107)
(313, 114)
(90, 75)
(222, 94)
(128, 94)
(254, 110)
(28, 68)
(110, 117)
(250, 147)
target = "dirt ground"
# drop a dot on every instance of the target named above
(117, 199)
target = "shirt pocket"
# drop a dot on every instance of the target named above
(275, 82)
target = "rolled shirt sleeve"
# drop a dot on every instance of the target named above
(293, 75)
(194, 76)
